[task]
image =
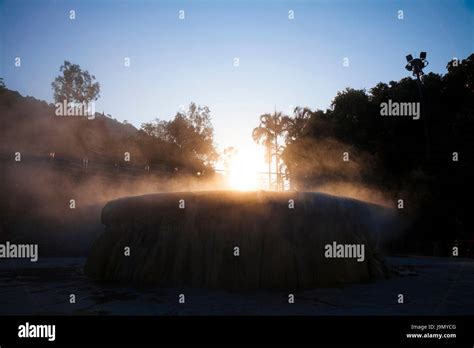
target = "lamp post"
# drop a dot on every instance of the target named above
(416, 66)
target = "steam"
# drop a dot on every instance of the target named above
(44, 191)
(358, 191)
(37, 204)
(331, 166)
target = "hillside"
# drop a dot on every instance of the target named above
(30, 126)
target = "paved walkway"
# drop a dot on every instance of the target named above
(430, 286)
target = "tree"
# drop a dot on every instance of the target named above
(351, 114)
(298, 123)
(271, 128)
(388, 153)
(190, 133)
(75, 85)
(3, 88)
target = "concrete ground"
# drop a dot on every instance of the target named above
(430, 286)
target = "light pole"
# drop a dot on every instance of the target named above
(416, 66)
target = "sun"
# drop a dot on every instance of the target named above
(243, 172)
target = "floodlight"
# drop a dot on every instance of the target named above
(416, 65)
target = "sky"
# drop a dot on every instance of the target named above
(283, 62)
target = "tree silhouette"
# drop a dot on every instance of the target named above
(75, 85)
(271, 128)
(297, 124)
(190, 134)
(390, 152)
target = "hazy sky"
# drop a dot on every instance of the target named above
(283, 62)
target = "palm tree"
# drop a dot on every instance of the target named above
(296, 127)
(297, 124)
(271, 127)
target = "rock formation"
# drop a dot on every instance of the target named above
(237, 240)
